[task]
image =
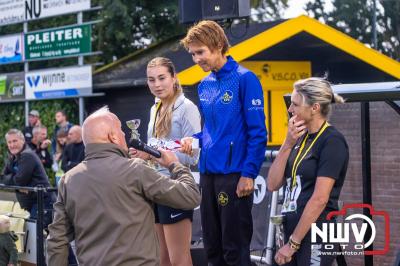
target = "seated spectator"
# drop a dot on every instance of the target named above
(74, 152)
(40, 144)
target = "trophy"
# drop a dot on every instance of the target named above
(165, 144)
(134, 125)
(277, 221)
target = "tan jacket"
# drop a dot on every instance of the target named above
(105, 204)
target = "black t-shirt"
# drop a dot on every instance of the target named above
(328, 157)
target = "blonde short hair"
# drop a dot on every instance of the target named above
(208, 33)
(318, 90)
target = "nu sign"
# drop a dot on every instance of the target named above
(59, 42)
(35, 9)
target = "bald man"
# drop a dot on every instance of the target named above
(74, 151)
(105, 203)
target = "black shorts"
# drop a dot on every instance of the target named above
(168, 215)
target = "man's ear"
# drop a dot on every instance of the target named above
(112, 138)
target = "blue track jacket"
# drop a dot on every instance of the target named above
(234, 136)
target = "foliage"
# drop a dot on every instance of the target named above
(355, 18)
(264, 10)
(129, 25)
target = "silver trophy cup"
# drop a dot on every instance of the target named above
(133, 126)
(277, 221)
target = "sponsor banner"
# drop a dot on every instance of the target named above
(12, 86)
(58, 83)
(16, 11)
(12, 11)
(65, 41)
(11, 49)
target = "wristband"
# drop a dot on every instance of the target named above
(293, 244)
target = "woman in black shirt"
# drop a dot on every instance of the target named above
(312, 165)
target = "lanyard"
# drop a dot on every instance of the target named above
(298, 160)
(158, 105)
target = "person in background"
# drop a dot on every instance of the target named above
(171, 118)
(61, 143)
(24, 168)
(233, 143)
(105, 202)
(311, 165)
(74, 151)
(40, 145)
(8, 249)
(33, 120)
(61, 124)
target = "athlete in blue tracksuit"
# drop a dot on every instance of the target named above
(233, 142)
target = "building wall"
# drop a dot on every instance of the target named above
(385, 168)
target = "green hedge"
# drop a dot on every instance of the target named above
(12, 115)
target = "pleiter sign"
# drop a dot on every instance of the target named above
(58, 42)
(58, 82)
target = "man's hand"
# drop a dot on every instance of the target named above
(45, 144)
(167, 158)
(134, 153)
(245, 186)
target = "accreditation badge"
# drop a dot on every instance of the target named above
(286, 201)
(292, 193)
